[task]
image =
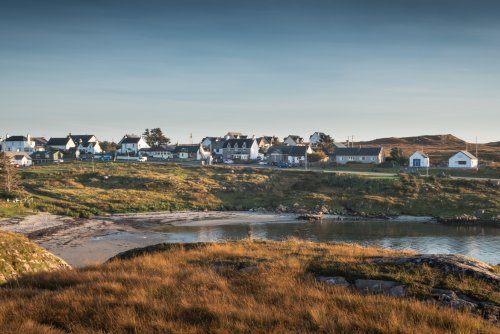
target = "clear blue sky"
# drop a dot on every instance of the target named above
(364, 68)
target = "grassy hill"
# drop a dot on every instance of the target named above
(74, 189)
(249, 286)
(439, 147)
(20, 256)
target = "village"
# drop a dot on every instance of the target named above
(232, 148)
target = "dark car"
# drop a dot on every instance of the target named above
(284, 165)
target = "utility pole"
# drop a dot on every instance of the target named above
(477, 157)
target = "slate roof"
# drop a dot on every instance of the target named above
(187, 148)
(240, 142)
(85, 139)
(17, 155)
(161, 148)
(358, 151)
(130, 139)
(39, 141)
(58, 141)
(294, 151)
(17, 138)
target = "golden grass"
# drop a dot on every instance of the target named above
(202, 290)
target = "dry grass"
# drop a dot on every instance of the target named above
(201, 290)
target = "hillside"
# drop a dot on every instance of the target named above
(19, 256)
(262, 287)
(73, 189)
(438, 147)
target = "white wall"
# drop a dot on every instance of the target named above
(460, 160)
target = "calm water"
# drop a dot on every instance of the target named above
(482, 243)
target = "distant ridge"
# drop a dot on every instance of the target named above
(431, 140)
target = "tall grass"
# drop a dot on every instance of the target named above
(203, 290)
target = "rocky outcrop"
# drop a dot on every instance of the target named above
(18, 256)
(449, 263)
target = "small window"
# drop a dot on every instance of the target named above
(462, 162)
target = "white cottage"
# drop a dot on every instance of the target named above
(132, 144)
(293, 140)
(20, 158)
(463, 159)
(63, 144)
(419, 159)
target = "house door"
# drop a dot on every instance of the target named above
(416, 162)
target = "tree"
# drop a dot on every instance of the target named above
(326, 145)
(398, 156)
(9, 178)
(108, 146)
(316, 156)
(155, 137)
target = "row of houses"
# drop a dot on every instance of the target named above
(25, 150)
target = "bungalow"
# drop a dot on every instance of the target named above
(293, 140)
(463, 159)
(160, 152)
(241, 149)
(295, 155)
(132, 144)
(19, 158)
(190, 152)
(419, 159)
(19, 144)
(63, 144)
(365, 155)
(87, 144)
(47, 156)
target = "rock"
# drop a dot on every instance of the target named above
(335, 280)
(397, 291)
(310, 217)
(375, 286)
(250, 269)
(449, 263)
(282, 208)
(450, 299)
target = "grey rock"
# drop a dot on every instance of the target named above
(375, 286)
(335, 280)
(250, 269)
(397, 291)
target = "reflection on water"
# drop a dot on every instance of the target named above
(482, 243)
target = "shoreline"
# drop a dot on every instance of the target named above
(81, 241)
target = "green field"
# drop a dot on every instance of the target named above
(75, 189)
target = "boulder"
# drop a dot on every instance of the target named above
(335, 280)
(375, 286)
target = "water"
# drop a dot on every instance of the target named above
(482, 243)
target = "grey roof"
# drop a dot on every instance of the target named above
(84, 138)
(16, 138)
(161, 148)
(130, 139)
(191, 148)
(467, 154)
(39, 141)
(294, 151)
(58, 141)
(358, 151)
(240, 142)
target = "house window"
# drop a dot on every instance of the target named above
(362, 158)
(462, 162)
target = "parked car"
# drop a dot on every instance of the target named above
(142, 159)
(228, 161)
(57, 161)
(262, 163)
(105, 158)
(284, 165)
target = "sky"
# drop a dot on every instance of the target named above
(365, 68)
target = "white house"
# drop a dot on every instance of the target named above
(190, 152)
(20, 158)
(160, 152)
(19, 144)
(463, 159)
(63, 144)
(419, 159)
(241, 149)
(293, 140)
(132, 144)
(87, 144)
(316, 138)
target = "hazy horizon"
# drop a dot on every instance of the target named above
(369, 69)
